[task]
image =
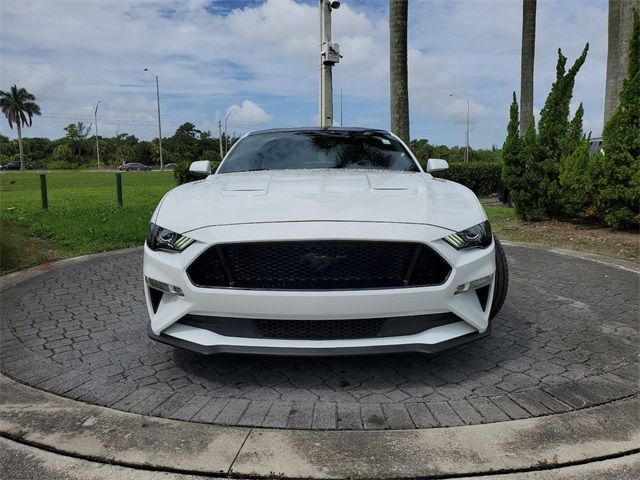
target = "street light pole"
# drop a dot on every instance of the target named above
(466, 136)
(329, 55)
(159, 123)
(95, 117)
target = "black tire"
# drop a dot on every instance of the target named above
(502, 279)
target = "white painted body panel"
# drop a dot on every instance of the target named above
(325, 204)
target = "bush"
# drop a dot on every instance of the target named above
(181, 172)
(481, 177)
(577, 180)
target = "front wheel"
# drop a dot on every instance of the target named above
(502, 279)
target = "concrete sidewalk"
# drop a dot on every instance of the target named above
(23, 462)
(103, 435)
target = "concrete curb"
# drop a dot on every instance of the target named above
(96, 433)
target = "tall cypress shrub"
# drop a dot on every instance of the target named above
(555, 134)
(617, 202)
(513, 167)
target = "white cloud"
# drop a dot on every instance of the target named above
(248, 113)
(72, 53)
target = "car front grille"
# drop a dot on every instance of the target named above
(319, 265)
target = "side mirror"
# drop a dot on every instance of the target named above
(201, 168)
(437, 165)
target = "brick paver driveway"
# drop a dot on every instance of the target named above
(567, 338)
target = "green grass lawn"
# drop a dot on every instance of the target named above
(83, 215)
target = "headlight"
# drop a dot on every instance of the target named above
(160, 238)
(478, 236)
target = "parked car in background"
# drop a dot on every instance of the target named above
(325, 241)
(170, 166)
(15, 165)
(132, 167)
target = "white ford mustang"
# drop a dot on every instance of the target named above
(321, 242)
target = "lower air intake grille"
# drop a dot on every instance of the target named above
(319, 265)
(320, 329)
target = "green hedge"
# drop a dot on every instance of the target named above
(481, 177)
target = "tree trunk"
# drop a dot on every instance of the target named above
(398, 12)
(20, 144)
(526, 65)
(620, 26)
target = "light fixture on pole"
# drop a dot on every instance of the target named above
(226, 137)
(95, 117)
(329, 56)
(466, 154)
(159, 123)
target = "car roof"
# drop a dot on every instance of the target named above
(319, 129)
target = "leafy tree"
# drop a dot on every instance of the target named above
(125, 153)
(37, 150)
(76, 137)
(617, 202)
(62, 153)
(19, 106)
(184, 143)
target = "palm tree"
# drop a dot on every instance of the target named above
(619, 33)
(526, 65)
(19, 106)
(398, 61)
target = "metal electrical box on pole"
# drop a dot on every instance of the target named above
(329, 56)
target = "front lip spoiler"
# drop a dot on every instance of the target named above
(318, 352)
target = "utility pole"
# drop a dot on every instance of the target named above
(329, 56)
(95, 117)
(341, 107)
(220, 138)
(226, 137)
(466, 135)
(159, 123)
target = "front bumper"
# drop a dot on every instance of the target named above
(170, 268)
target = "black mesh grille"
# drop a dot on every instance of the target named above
(319, 329)
(319, 265)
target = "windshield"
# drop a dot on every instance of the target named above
(318, 149)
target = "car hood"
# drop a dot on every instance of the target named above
(319, 195)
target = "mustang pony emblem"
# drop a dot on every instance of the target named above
(320, 262)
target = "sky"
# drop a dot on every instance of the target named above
(259, 59)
